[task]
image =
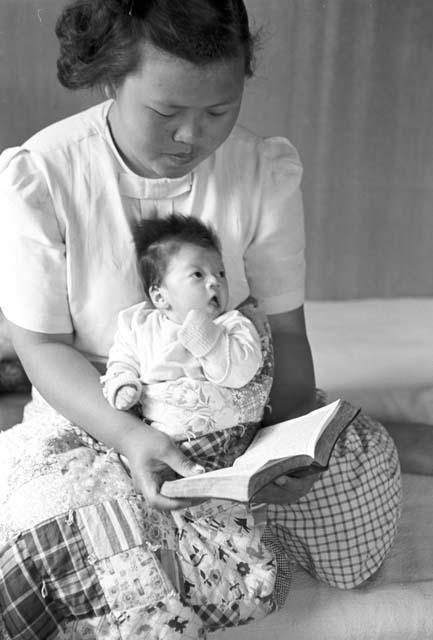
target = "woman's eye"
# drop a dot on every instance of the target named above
(163, 114)
(216, 114)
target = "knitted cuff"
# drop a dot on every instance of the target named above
(112, 385)
(199, 333)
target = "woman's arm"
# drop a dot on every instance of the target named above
(293, 389)
(292, 394)
(71, 385)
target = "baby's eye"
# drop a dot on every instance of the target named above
(222, 274)
(197, 275)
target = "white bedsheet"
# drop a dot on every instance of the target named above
(376, 353)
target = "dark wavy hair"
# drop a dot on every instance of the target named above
(158, 239)
(101, 40)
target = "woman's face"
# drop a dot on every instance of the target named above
(170, 114)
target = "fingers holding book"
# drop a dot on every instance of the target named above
(287, 489)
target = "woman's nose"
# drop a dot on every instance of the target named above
(189, 130)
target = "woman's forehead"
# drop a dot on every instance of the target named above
(168, 79)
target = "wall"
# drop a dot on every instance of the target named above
(30, 96)
(350, 83)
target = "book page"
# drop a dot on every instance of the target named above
(286, 439)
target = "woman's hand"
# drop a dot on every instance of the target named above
(286, 489)
(153, 457)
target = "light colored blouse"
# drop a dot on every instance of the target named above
(67, 203)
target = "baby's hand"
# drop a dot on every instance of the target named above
(126, 397)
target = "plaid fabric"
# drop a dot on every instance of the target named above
(214, 619)
(25, 613)
(342, 529)
(284, 565)
(3, 633)
(45, 577)
(220, 448)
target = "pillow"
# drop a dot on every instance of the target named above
(6, 349)
(12, 375)
(13, 378)
(375, 353)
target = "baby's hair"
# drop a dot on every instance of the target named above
(101, 41)
(158, 239)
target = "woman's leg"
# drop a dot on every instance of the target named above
(342, 529)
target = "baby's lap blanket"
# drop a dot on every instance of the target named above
(83, 556)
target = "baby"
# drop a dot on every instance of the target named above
(188, 334)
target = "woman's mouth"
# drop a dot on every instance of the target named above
(182, 158)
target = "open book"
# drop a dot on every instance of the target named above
(295, 447)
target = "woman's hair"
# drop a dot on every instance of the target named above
(157, 240)
(101, 40)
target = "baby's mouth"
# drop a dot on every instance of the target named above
(214, 301)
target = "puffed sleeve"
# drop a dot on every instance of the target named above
(33, 289)
(275, 256)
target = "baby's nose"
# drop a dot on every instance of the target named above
(213, 281)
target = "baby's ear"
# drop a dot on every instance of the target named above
(158, 297)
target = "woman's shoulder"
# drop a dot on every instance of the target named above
(70, 130)
(244, 143)
(22, 178)
(250, 163)
(52, 152)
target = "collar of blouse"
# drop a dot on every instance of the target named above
(134, 186)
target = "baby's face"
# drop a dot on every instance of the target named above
(195, 279)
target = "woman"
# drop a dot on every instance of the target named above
(167, 140)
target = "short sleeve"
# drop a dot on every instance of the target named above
(33, 289)
(275, 257)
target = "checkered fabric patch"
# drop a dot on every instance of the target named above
(45, 576)
(220, 448)
(284, 565)
(214, 619)
(342, 529)
(26, 615)
(3, 633)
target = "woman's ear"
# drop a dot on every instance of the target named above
(158, 297)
